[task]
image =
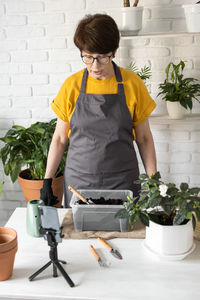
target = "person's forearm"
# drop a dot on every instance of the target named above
(56, 151)
(148, 155)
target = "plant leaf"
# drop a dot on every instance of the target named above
(184, 186)
(179, 218)
(122, 214)
(194, 190)
(193, 221)
(18, 127)
(143, 176)
(144, 218)
(1, 187)
(133, 219)
(197, 214)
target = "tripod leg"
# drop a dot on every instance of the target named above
(55, 273)
(62, 261)
(64, 274)
(39, 271)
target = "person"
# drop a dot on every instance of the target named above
(101, 109)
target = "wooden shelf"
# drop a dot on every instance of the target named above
(165, 119)
(151, 35)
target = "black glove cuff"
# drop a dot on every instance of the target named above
(47, 182)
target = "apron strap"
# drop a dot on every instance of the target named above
(83, 82)
(118, 78)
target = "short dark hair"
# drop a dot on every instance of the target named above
(97, 33)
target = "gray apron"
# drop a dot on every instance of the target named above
(101, 154)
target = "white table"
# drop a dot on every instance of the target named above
(138, 276)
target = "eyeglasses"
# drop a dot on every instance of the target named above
(102, 60)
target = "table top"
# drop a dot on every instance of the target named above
(139, 276)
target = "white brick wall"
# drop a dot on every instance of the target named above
(25, 32)
(25, 7)
(37, 54)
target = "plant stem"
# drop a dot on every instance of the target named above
(126, 3)
(135, 3)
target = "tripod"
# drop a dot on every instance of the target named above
(50, 233)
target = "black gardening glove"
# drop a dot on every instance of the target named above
(46, 193)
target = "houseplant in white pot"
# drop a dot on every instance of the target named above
(167, 211)
(178, 91)
(131, 18)
(192, 16)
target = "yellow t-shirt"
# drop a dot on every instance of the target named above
(138, 100)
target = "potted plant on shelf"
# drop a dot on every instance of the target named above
(28, 147)
(144, 73)
(192, 16)
(131, 18)
(178, 91)
(168, 212)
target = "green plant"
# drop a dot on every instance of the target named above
(176, 88)
(1, 187)
(28, 147)
(144, 73)
(162, 203)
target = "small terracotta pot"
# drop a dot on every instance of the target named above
(31, 188)
(8, 249)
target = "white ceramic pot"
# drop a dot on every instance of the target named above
(172, 240)
(131, 20)
(175, 110)
(192, 16)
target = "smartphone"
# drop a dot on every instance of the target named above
(49, 220)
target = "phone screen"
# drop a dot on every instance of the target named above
(49, 220)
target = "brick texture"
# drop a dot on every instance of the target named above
(37, 54)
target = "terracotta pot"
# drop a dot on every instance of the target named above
(31, 188)
(8, 249)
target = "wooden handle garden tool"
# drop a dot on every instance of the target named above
(97, 257)
(113, 251)
(79, 195)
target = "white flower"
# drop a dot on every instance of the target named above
(163, 190)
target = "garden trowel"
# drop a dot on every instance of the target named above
(97, 257)
(113, 251)
(79, 195)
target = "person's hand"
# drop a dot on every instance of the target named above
(46, 193)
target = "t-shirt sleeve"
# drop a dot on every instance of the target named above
(144, 104)
(59, 104)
